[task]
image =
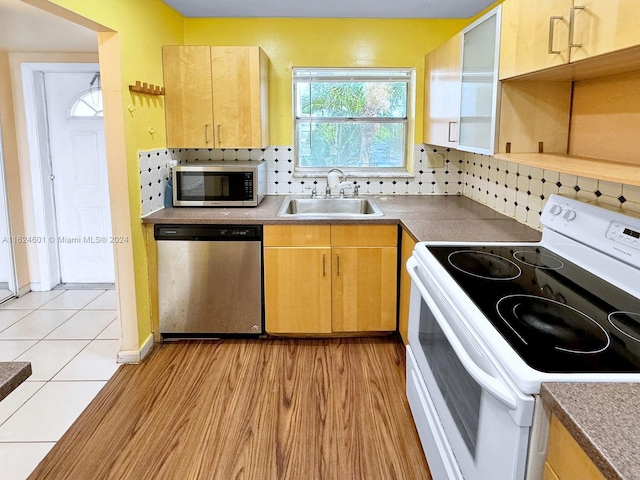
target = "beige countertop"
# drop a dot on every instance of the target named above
(426, 217)
(12, 374)
(604, 418)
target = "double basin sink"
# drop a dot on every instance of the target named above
(329, 207)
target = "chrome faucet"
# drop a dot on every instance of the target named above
(334, 177)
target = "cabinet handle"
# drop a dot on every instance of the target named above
(338, 265)
(219, 137)
(324, 265)
(449, 135)
(206, 133)
(552, 24)
(572, 24)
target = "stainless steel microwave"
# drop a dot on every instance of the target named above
(219, 184)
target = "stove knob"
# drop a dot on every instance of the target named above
(555, 210)
(569, 215)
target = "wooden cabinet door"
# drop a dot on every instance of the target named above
(525, 36)
(442, 94)
(297, 287)
(602, 26)
(566, 458)
(364, 289)
(239, 93)
(408, 243)
(188, 96)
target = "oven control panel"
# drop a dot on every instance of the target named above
(608, 230)
(625, 234)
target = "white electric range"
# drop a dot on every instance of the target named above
(489, 322)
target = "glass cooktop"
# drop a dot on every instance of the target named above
(557, 316)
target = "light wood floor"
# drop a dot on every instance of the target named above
(249, 409)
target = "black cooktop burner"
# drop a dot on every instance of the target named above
(538, 259)
(542, 319)
(627, 323)
(556, 315)
(484, 265)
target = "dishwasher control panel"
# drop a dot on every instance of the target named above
(208, 232)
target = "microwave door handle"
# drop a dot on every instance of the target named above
(493, 385)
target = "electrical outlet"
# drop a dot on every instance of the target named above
(435, 160)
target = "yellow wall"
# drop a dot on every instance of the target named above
(322, 42)
(143, 26)
(12, 169)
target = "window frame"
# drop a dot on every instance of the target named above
(306, 75)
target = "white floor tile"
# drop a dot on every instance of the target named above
(12, 349)
(98, 361)
(9, 317)
(112, 332)
(12, 402)
(50, 412)
(73, 299)
(86, 324)
(18, 460)
(48, 357)
(106, 301)
(40, 410)
(36, 325)
(31, 300)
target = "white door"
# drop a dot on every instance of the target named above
(79, 176)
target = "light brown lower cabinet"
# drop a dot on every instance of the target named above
(566, 460)
(406, 249)
(330, 278)
(297, 289)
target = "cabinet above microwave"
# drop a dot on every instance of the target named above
(216, 97)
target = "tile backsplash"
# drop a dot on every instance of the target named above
(154, 175)
(521, 191)
(518, 191)
(281, 180)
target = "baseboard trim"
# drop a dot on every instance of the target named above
(24, 290)
(146, 347)
(136, 356)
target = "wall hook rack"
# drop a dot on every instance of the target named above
(149, 89)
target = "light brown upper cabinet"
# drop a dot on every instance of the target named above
(216, 97)
(442, 94)
(534, 36)
(603, 26)
(547, 33)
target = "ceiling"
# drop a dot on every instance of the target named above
(25, 28)
(330, 8)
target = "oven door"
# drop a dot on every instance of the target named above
(472, 421)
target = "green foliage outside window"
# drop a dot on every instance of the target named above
(354, 122)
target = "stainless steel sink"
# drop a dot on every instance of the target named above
(329, 207)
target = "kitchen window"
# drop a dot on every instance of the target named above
(353, 119)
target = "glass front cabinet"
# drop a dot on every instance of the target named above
(480, 87)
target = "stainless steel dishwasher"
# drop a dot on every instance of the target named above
(209, 280)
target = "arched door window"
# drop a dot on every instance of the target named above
(88, 104)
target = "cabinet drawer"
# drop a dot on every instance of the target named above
(364, 235)
(565, 456)
(297, 235)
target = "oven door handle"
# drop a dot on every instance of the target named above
(491, 384)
